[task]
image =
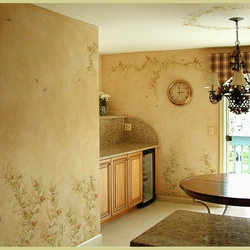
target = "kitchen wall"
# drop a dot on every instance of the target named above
(138, 84)
(49, 128)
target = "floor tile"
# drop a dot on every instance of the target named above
(122, 230)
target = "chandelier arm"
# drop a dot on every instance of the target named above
(214, 98)
(242, 64)
(247, 78)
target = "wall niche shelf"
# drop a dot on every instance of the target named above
(112, 116)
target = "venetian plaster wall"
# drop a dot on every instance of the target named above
(138, 83)
(49, 128)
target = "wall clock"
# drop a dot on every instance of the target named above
(179, 92)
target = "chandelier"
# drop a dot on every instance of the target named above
(236, 89)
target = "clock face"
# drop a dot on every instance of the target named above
(179, 92)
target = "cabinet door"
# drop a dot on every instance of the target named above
(105, 190)
(119, 185)
(135, 178)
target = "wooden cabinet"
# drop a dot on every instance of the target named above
(135, 178)
(120, 184)
(105, 189)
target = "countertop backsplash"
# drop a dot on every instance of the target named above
(112, 132)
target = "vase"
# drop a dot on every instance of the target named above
(103, 110)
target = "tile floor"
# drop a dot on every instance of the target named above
(122, 230)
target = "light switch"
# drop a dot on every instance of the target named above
(128, 127)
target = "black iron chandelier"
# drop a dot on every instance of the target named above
(236, 89)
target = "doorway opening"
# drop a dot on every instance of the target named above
(237, 145)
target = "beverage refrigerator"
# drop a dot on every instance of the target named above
(148, 174)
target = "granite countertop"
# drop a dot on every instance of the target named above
(123, 148)
(185, 228)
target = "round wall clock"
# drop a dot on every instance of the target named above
(179, 92)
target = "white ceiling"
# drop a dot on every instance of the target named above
(137, 27)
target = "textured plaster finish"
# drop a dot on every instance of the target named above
(138, 84)
(49, 149)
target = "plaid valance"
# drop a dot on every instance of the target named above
(220, 63)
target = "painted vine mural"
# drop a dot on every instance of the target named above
(93, 53)
(37, 199)
(172, 167)
(193, 18)
(29, 199)
(173, 173)
(157, 67)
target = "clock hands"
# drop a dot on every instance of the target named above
(179, 91)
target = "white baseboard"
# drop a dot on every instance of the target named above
(91, 242)
(183, 200)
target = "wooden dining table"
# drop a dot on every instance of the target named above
(224, 189)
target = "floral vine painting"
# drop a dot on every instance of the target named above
(171, 167)
(83, 224)
(50, 231)
(193, 18)
(30, 199)
(25, 206)
(157, 67)
(93, 52)
(173, 173)
(206, 159)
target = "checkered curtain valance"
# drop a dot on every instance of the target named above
(220, 63)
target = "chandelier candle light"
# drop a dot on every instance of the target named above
(236, 89)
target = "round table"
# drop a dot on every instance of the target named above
(224, 189)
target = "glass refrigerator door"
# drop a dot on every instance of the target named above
(148, 178)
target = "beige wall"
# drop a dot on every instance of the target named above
(49, 128)
(138, 83)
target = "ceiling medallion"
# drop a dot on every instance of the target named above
(192, 18)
